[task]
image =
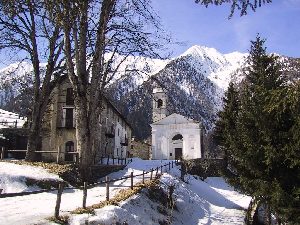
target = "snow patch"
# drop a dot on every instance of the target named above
(13, 177)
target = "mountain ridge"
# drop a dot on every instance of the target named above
(195, 82)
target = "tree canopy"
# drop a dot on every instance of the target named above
(258, 130)
(236, 5)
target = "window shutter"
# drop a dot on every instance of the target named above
(64, 118)
(74, 118)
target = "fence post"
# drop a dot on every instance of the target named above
(101, 159)
(1, 191)
(107, 159)
(125, 161)
(58, 200)
(143, 178)
(156, 171)
(151, 174)
(84, 194)
(169, 166)
(131, 176)
(113, 158)
(2, 152)
(172, 164)
(182, 172)
(107, 188)
(58, 155)
(161, 169)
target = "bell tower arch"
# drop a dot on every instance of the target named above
(159, 104)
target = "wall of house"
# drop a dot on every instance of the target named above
(59, 130)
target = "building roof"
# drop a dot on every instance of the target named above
(175, 119)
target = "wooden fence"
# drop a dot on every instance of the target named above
(154, 172)
(58, 152)
(10, 124)
(114, 161)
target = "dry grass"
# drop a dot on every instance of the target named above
(121, 196)
(63, 220)
(68, 172)
(51, 167)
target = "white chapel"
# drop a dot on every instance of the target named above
(173, 136)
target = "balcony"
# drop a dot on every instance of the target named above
(110, 131)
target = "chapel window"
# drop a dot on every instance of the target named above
(159, 103)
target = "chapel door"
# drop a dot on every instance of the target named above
(178, 153)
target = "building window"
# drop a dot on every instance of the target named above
(159, 103)
(69, 146)
(170, 153)
(69, 97)
(117, 151)
(118, 132)
(69, 118)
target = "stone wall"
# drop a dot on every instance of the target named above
(140, 149)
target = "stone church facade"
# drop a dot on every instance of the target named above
(59, 132)
(173, 136)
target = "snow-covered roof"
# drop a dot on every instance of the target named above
(10, 119)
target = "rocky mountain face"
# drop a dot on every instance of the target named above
(16, 87)
(194, 82)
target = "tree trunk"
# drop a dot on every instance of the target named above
(83, 136)
(34, 140)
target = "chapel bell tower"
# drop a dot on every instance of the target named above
(159, 104)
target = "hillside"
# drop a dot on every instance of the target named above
(194, 81)
(216, 201)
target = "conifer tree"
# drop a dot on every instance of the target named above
(236, 5)
(224, 133)
(264, 145)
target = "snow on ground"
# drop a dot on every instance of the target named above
(198, 202)
(13, 177)
(211, 201)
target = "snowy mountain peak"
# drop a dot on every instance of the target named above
(205, 53)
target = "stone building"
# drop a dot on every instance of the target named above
(140, 149)
(173, 136)
(59, 132)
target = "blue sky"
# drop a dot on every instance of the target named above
(193, 24)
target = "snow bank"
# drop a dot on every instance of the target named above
(211, 201)
(13, 177)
